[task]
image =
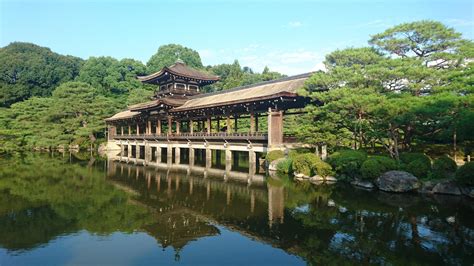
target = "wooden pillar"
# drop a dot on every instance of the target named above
(169, 125)
(252, 162)
(169, 154)
(275, 127)
(158, 154)
(121, 130)
(252, 122)
(178, 127)
(191, 156)
(236, 126)
(129, 130)
(138, 129)
(208, 157)
(149, 127)
(228, 160)
(191, 126)
(158, 127)
(229, 129)
(209, 125)
(256, 122)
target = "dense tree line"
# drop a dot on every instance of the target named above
(412, 86)
(50, 100)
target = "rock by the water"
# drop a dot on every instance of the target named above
(298, 175)
(397, 181)
(330, 179)
(331, 203)
(468, 191)
(447, 187)
(451, 219)
(363, 184)
(317, 178)
(273, 165)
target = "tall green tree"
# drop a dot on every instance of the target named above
(168, 54)
(28, 70)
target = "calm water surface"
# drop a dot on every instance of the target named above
(80, 210)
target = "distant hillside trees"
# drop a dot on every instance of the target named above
(30, 70)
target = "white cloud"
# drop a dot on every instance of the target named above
(459, 22)
(294, 24)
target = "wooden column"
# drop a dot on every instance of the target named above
(129, 130)
(229, 128)
(236, 126)
(177, 155)
(148, 127)
(178, 127)
(121, 130)
(252, 122)
(275, 127)
(138, 129)
(191, 127)
(209, 125)
(169, 125)
(158, 127)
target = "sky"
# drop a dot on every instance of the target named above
(290, 37)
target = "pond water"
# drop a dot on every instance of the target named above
(68, 209)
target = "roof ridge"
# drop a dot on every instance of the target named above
(304, 75)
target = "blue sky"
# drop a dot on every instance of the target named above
(289, 36)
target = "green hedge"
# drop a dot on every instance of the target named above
(285, 166)
(416, 163)
(309, 164)
(444, 167)
(347, 163)
(274, 155)
(465, 174)
(376, 166)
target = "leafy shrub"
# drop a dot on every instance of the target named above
(409, 157)
(285, 166)
(322, 168)
(347, 162)
(303, 163)
(273, 155)
(418, 168)
(465, 174)
(444, 167)
(376, 166)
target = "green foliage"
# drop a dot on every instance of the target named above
(28, 70)
(408, 157)
(168, 54)
(322, 168)
(347, 163)
(309, 164)
(376, 166)
(285, 166)
(444, 167)
(303, 163)
(273, 155)
(418, 168)
(465, 174)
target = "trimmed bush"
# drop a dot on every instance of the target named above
(376, 166)
(444, 167)
(409, 157)
(303, 163)
(418, 168)
(465, 174)
(322, 168)
(347, 162)
(273, 155)
(285, 166)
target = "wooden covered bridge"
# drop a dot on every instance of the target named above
(180, 120)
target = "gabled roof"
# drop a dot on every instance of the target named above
(285, 87)
(180, 69)
(169, 101)
(123, 115)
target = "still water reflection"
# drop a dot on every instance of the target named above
(72, 210)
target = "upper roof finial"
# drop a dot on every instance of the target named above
(179, 59)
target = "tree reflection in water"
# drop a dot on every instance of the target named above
(44, 197)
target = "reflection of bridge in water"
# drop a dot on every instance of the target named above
(190, 201)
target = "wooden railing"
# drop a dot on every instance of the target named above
(255, 136)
